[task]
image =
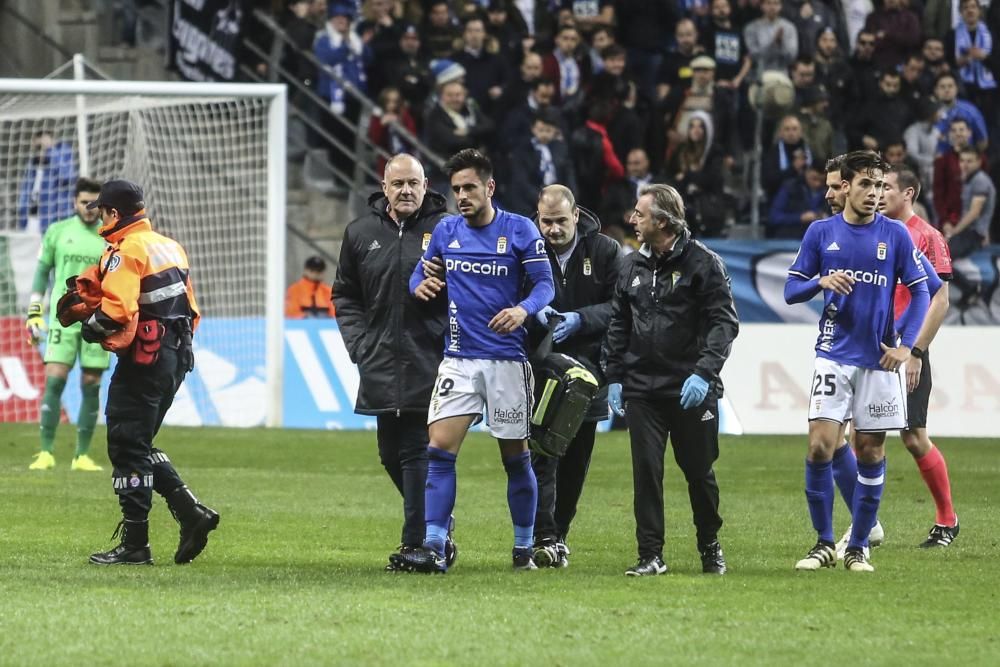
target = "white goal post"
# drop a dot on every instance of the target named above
(212, 161)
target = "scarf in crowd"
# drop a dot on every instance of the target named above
(785, 155)
(546, 167)
(569, 74)
(974, 72)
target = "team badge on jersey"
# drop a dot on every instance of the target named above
(675, 276)
(587, 269)
(882, 248)
(501, 245)
(426, 242)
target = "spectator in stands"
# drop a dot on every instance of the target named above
(969, 47)
(834, 74)
(541, 160)
(895, 154)
(948, 174)
(882, 117)
(348, 55)
(810, 17)
(897, 33)
(864, 70)
(772, 41)
(486, 73)
(642, 25)
(383, 130)
(602, 38)
(408, 70)
(301, 30)
(939, 18)
(971, 232)
(675, 70)
(803, 76)
(695, 168)
(309, 296)
(854, 13)
(440, 32)
(935, 63)
(383, 27)
(723, 42)
(48, 186)
(567, 67)
(817, 130)
(915, 86)
(626, 128)
(921, 139)
(701, 95)
(456, 122)
(777, 166)
(620, 198)
(946, 93)
(517, 88)
(594, 160)
(517, 122)
(506, 31)
(800, 200)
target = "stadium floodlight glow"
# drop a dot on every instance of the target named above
(211, 159)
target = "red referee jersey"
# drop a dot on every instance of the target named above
(930, 242)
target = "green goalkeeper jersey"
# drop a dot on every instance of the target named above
(69, 246)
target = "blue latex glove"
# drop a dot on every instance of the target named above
(615, 399)
(543, 315)
(694, 391)
(570, 325)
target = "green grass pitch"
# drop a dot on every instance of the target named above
(294, 574)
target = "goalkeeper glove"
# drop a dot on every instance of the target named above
(35, 323)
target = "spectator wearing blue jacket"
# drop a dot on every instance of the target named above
(799, 201)
(346, 55)
(46, 191)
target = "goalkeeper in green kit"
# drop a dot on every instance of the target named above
(69, 247)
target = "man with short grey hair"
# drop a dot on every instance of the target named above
(673, 322)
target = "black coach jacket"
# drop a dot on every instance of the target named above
(671, 316)
(396, 340)
(586, 287)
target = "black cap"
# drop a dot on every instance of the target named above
(125, 196)
(316, 263)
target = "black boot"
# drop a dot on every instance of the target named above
(133, 549)
(196, 522)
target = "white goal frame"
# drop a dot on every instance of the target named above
(276, 95)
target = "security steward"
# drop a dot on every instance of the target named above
(672, 324)
(395, 339)
(585, 265)
(147, 314)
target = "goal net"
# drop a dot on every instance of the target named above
(213, 174)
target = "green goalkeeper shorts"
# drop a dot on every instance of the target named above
(64, 344)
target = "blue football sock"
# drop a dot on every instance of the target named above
(819, 497)
(522, 497)
(867, 496)
(439, 497)
(845, 473)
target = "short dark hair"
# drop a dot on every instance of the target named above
(890, 73)
(542, 81)
(861, 162)
(613, 51)
(803, 60)
(84, 184)
(907, 178)
(972, 150)
(316, 263)
(834, 164)
(959, 119)
(945, 75)
(546, 115)
(469, 158)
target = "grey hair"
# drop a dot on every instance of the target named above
(667, 205)
(397, 158)
(557, 190)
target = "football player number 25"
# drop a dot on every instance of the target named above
(445, 386)
(823, 385)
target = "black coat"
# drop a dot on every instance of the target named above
(671, 316)
(586, 287)
(521, 194)
(396, 340)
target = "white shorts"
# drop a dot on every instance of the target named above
(874, 399)
(504, 388)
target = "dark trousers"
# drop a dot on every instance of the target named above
(402, 448)
(138, 399)
(961, 245)
(560, 483)
(695, 441)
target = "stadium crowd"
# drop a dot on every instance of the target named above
(608, 95)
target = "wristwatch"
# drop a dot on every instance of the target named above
(917, 352)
